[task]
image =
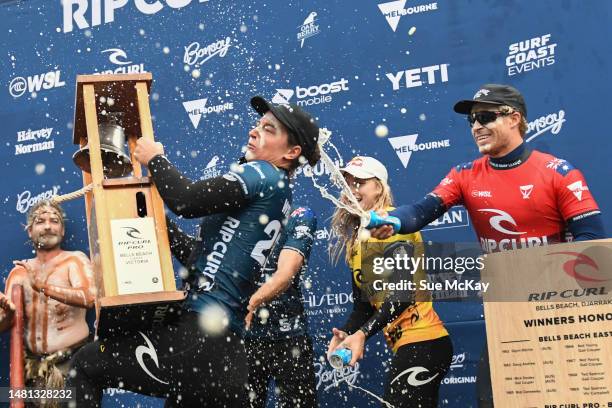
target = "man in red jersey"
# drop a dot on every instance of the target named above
(516, 197)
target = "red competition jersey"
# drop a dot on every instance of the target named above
(524, 205)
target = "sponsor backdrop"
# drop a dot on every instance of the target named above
(381, 76)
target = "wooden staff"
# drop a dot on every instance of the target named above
(17, 379)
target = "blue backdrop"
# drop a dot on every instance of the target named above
(355, 66)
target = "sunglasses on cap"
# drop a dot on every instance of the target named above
(484, 117)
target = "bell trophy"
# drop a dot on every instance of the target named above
(126, 223)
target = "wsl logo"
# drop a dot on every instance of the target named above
(404, 146)
(530, 55)
(308, 28)
(35, 83)
(311, 95)
(394, 10)
(196, 108)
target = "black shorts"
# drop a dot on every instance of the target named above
(417, 369)
(289, 363)
(176, 362)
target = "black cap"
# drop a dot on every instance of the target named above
(297, 121)
(496, 94)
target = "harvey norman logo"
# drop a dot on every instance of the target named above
(30, 141)
(404, 146)
(311, 95)
(394, 10)
(455, 217)
(78, 11)
(35, 83)
(196, 108)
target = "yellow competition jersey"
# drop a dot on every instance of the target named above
(417, 323)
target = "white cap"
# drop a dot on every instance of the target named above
(365, 167)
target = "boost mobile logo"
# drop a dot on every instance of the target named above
(312, 95)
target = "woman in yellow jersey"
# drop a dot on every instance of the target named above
(421, 345)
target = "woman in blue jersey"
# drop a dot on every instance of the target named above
(184, 361)
(420, 343)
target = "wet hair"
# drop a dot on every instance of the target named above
(311, 156)
(345, 226)
(523, 126)
(34, 210)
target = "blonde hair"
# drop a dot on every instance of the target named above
(344, 225)
(523, 126)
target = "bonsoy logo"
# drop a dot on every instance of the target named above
(394, 10)
(35, 83)
(404, 146)
(311, 95)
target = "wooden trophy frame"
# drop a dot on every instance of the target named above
(547, 314)
(114, 203)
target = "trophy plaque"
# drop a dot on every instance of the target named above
(548, 313)
(126, 223)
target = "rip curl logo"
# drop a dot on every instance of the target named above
(501, 216)
(570, 267)
(552, 122)
(133, 232)
(412, 373)
(151, 352)
(481, 93)
(117, 56)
